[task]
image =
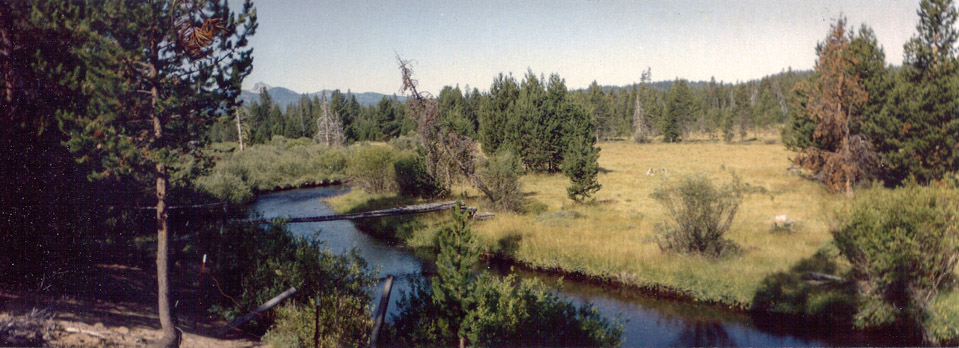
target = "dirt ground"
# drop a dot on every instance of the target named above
(121, 311)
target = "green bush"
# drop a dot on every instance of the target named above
(344, 322)
(507, 313)
(412, 179)
(699, 215)
(903, 245)
(262, 262)
(501, 174)
(281, 164)
(370, 168)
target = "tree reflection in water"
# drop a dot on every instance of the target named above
(704, 334)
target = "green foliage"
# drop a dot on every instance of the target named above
(262, 262)
(918, 136)
(370, 168)
(507, 313)
(494, 112)
(679, 108)
(699, 215)
(344, 321)
(412, 178)
(501, 173)
(280, 164)
(581, 165)
(454, 284)
(529, 314)
(904, 245)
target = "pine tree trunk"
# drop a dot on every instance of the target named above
(171, 336)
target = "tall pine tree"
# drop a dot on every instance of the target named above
(161, 73)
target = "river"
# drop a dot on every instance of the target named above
(649, 321)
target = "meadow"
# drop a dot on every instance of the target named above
(613, 239)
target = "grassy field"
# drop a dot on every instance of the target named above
(614, 237)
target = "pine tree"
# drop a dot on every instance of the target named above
(920, 135)
(494, 113)
(679, 107)
(841, 156)
(160, 73)
(581, 165)
(454, 284)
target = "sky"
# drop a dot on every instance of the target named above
(309, 46)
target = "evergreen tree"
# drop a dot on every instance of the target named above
(679, 107)
(841, 156)
(494, 112)
(581, 165)
(162, 72)
(454, 284)
(524, 124)
(920, 135)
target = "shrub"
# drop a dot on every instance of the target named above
(344, 322)
(699, 215)
(501, 174)
(412, 179)
(262, 262)
(903, 245)
(371, 168)
(507, 313)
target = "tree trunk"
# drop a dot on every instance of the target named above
(171, 336)
(239, 130)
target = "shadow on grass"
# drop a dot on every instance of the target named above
(824, 305)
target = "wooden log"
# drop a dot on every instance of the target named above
(412, 209)
(381, 310)
(823, 277)
(263, 308)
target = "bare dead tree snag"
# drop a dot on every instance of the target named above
(447, 152)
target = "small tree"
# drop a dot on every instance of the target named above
(699, 215)
(501, 172)
(454, 284)
(581, 165)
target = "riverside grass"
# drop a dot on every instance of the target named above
(614, 237)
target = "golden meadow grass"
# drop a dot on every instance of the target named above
(614, 237)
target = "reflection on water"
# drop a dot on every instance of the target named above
(649, 321)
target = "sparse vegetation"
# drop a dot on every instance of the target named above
(699, 215)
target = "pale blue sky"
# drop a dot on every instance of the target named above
(308, 46)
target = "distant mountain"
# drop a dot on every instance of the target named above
(285, 97)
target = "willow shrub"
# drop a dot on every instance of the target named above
(699, 215)
(370, 167)
(903, 245)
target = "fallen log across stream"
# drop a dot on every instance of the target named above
(410, 209)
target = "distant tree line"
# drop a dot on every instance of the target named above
(513, 110)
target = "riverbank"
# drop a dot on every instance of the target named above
(613, 240)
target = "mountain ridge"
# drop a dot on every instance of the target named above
(285, 97)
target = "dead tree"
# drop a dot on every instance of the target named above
(447, 152)
(329, 129)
